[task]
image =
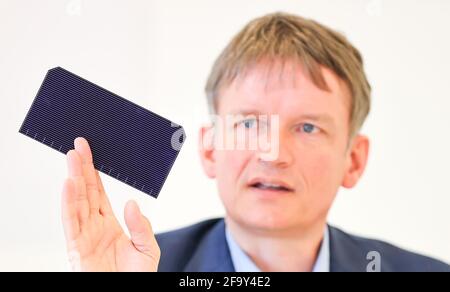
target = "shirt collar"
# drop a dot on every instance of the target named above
(243, 263)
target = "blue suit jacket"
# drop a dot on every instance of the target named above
(203, 248)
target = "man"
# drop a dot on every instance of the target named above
(311, 79)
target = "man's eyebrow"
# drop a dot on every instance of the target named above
(312, 117)
(320, 118)
(247, 113)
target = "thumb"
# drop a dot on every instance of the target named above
(141, 231)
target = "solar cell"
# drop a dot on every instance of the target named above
(128, 142)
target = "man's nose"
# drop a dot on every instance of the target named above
(282, 153)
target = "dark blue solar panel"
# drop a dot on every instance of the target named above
(128, 142)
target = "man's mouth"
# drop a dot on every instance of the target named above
(271, 186)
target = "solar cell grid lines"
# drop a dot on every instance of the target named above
(128, 142)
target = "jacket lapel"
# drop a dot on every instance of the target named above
(212, 254)
(345, 254)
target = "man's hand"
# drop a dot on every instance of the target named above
(95, 239)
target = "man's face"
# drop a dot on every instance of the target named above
(314, 157)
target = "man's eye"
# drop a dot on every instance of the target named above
(248, 124)
(308, 128)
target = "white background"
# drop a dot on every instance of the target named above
(158, 54)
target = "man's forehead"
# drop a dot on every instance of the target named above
(264, 86)
(271, 76)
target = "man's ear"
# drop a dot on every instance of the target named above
(357, 156)
(206, 150)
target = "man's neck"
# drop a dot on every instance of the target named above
(290, 250)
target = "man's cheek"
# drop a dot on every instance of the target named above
(320, 169)
(324, 173)
(232, 161)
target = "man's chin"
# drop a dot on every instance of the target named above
(267, 222)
